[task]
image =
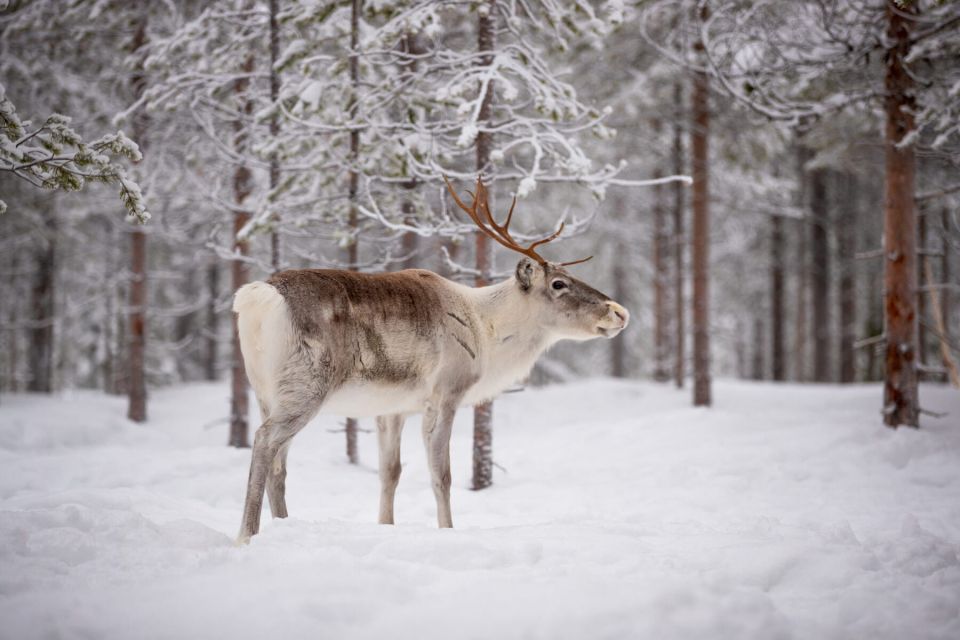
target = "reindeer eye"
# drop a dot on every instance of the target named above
(559, 284)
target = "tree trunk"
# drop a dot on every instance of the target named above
(213, 321)
(819, 258)
(900, 397)
(410, 241)
(700, 242)
(802, 269)
(757, 363)
(945, 298)
(660, 281)
(618, 360)
(352, 255)
(411, 47)
(40, 353)
(922, 316)
(136, 383)
(679, 331)
(239, 398)
(846, 250)
(274, 133)
(483, 413)
(242, 186)
(778, 366)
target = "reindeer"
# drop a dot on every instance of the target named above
(393, 344)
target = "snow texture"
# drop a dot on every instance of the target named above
(782, 512)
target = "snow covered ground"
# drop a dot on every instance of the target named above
(783, 512)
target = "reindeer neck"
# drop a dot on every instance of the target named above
(510, 322)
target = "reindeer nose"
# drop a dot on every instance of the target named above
(620, 312)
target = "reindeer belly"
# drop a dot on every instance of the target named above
(361, 399)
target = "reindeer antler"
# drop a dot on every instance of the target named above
(480, 209)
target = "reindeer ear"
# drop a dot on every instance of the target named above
(525, 273)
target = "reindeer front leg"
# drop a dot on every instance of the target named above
(389, 429)
(437, 425)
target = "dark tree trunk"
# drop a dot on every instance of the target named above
(40, 353)
(922, 316)
(213, 322)
(820, 262)
(759, 347)
(799, 356)
(483, 413)
(618, 359)
(239, 397)
(945, 270)
(700, 241)
(136, 383)
(660, 282)
(679, 331)
(900, 398)
(778, 366)
(846, 250)
(352, 255)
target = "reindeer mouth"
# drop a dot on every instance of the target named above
(610, 332)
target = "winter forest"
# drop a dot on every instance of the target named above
(769, 448)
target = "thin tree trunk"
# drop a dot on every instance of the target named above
(618, 364)
(213, 321)
(900, 397)
(352, 256)
(778, 366)
(137, 386)
(757, 363)
(136, 380)
(820, 262)
(846, 250)
(700, 242)
(679, 336)
(40, 353)
(242, 186)
(945, 298)
(483, 413)
(274, 132)
(921, 299)
(660, 278)
(410, 241)
(802, 269)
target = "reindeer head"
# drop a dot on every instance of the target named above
(567, 307)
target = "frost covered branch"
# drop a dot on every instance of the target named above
(54, 156)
